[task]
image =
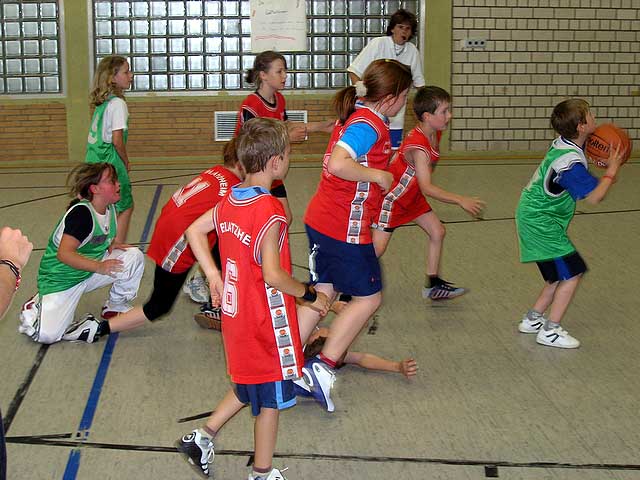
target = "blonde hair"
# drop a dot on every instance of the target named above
(103, 86)
(259, 140)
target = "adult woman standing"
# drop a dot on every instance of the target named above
(395, 45)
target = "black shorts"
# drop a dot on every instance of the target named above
(562, 268)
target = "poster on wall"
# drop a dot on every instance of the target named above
(279, 25)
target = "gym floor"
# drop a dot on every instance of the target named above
(487, 402)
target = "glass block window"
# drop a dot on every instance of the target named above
(185, 45)
(29, 47)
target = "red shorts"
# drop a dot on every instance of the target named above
(402, 205)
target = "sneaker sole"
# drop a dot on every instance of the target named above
(427, 296)
(189, 460)
(556, 345)
(207, 322)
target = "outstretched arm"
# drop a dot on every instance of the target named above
(408, 367)
(299, 131)
(472, 205)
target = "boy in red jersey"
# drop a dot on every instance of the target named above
(169, 248)
(412, 169)
(260, 325)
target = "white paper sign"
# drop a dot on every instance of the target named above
(279, 25)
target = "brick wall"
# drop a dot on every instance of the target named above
(180, 127)
(33, 132)
(538, 53)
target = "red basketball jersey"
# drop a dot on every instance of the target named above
(169, 247)
(259, 323)
(257, 106)
(404, 202)
(342, 209)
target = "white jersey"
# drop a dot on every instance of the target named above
(115, 118)
(384, 47)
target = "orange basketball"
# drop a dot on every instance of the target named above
(605, 136)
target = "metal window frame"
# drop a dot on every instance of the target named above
(40, 56)
(245, 56)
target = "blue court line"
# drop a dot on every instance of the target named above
(73, 462)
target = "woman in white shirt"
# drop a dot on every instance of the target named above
(395, 45)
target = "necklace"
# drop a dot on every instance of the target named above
(398, 49)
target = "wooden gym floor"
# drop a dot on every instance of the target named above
(488, 401)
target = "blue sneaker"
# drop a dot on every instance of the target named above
(320, 378)
(301, 388)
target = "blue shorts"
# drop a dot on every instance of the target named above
(396, 137)
(562, 268)
(278, 395)
(351, 268)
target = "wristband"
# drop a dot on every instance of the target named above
(14, 269)
(610, 177)
(310, 294)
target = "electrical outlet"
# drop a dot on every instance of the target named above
(473, 43)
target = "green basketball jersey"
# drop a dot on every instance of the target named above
(55, 276)
(97, 149)
(546, 209)
(100, 151)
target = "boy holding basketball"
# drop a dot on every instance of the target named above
(546, 207)
(257, 294)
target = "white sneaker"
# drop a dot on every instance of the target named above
(274, 474)
(84, 330)
(556, 337)
(197, 289)
(110, 310)
(531, 325)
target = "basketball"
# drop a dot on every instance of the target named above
(599, 142)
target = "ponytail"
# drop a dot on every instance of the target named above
(381, 78)
(344, 103)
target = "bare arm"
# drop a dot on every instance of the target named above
(471, 205)
(298, 131)
(408, 367)
(118, 143)
(287, 209)
(280, 279)
(325, 126)
(598, 193)
(197, 236)
(343, 166)
(16, 248)
(68, 254)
